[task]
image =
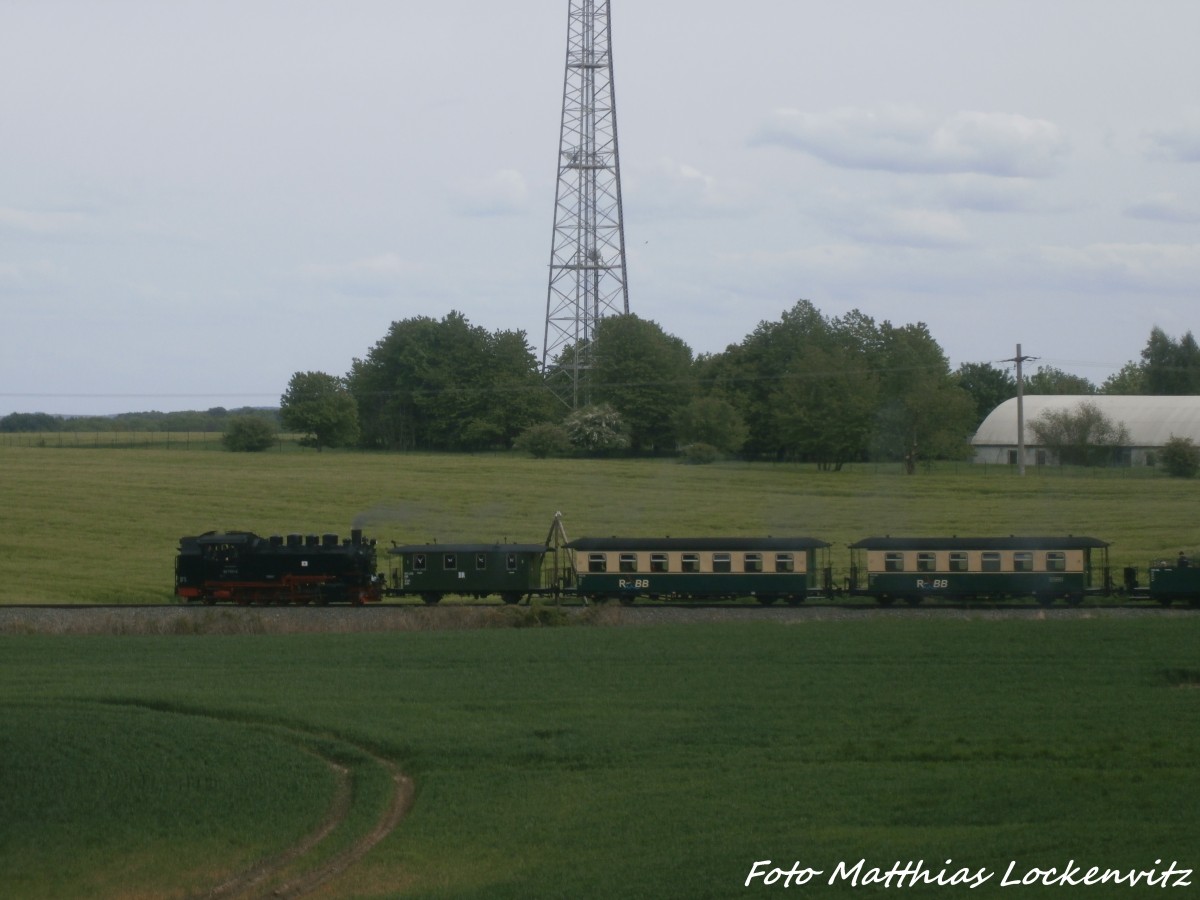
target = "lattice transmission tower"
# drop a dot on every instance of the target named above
(587, 253)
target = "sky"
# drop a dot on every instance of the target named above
(199, 198)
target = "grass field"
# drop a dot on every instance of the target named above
(98, 526)
(577, 762)
(605, 762)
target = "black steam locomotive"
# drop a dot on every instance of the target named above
(241, 567)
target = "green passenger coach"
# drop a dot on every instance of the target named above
(954, 568)
(767, 569)
(431, 571)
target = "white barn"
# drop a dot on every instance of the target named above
(1150, 421)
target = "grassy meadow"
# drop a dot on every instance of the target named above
(82, 525)
(604, 762)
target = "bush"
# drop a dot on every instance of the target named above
(700, 454)
(1181, 457)
(541, 441)
(597, 429)
(248, 434)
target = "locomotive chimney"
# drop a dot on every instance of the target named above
(356, 536)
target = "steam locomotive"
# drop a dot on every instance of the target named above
(241, 567)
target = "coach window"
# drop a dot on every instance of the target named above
(926, 562)
(1056, 561)
(1023, 561)
(480, 561)
(597, 562)
(628, 562)
(958, 561)
(990, 561)
(893, 562)
(722, 562)
(752, 562)
(512, 562)
(658, 562)
(419, 562)
(450, 561)
(785, 562)
(690, 562)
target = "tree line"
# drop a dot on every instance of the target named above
(216, 419)
(808, 387)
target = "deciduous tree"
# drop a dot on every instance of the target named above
(320, 407)
(1082, 436)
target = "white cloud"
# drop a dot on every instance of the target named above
(904, 139)
(40, 223)
(670, 189)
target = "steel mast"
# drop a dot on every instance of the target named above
(587, 251)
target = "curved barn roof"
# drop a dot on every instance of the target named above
(1151, 421)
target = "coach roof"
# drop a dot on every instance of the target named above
(1012, 542)
(469, 548)
(696, 543)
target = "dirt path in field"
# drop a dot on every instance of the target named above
(262, 879)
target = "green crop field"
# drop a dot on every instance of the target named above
(602, 762)
(102, 525)
(612, 762)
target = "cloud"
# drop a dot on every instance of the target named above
(1159, 268)
(1165, 207)
(1178, 144)
(373, 276)
(907, 228)
(670, 189)
(37, 223)
(902, 139)
(503, 193)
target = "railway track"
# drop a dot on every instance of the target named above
(172, 618)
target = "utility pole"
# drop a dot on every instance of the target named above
(1018, 359)
(587, 253)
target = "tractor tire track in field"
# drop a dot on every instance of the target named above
(273, 876)
(257, 881)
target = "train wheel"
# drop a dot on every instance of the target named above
(767, 599)
(627, 599)
(510, 597)
(794, 600)
(1044, 599)
(913, 599)
(885, 600)
(431, 598)
(1074, 599)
